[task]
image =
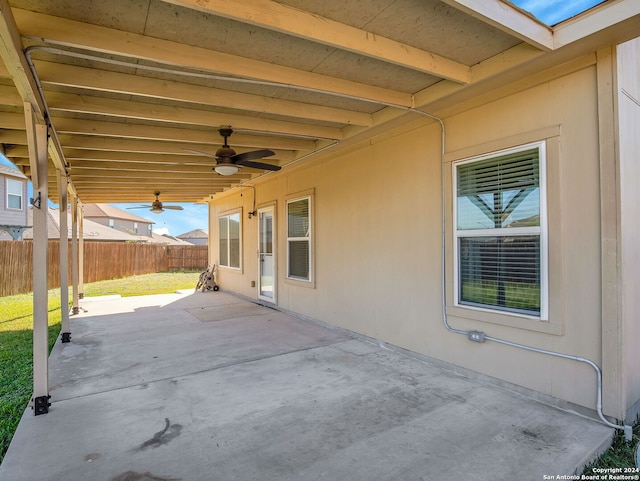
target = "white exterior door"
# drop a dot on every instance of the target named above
(266, 255)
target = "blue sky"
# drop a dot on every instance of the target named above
(552, 12)
(172, 222)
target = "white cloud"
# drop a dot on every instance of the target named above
(161, 231)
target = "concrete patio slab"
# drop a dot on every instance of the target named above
(207, 386)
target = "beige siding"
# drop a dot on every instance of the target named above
(377, 239)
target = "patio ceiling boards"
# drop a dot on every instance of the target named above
(130, 86)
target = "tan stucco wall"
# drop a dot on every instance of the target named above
(629, 127)
(377, 241)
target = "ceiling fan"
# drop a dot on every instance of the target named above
(156, 207)
(228, 162)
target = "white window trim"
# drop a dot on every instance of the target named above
(542, 231)
(240, 248)
(9, 194)
(309, 239)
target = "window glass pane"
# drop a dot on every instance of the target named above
(499, 192)
(502, 272)
(266, 233)
(224, 240)
(298, 218)
(14, 194)
(14, 187)
(299, 259)
(234, 240)
(14, 202)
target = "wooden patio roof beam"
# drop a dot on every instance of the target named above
(292, 21)
(73, 129)
(71, 33)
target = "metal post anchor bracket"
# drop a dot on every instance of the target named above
(41, 405)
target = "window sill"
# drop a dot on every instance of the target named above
(504, 319)
(300, 282)
(232, 270)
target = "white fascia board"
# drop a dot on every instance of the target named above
(508, 19)
(599, 18)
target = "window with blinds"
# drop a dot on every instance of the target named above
(299, 239)
(499, 233)
(229, 240)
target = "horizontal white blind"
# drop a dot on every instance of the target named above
(229, 240)
(298, 218)
(299, 239)
(498, 232)
(299, 259)
(510, 172)
(503, 272)
(223, 223)
(234, 240)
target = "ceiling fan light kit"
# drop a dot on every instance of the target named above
(226, 169)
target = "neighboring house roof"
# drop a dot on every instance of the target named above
(106, 210)
(98, 232)
(91, 230)
(5, 170)
(194, 234)
(167, 239)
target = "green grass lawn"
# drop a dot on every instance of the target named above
(621, 454)
(16, 336)
(517, 295)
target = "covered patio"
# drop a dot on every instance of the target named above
(197, 386)
(114, 101)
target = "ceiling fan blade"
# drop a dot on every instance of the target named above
(258, 165)
(173, 207)
(141, 207)
(254, 154)
(200, 152)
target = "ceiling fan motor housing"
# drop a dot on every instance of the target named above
(224, 153)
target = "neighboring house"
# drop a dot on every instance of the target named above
(197, 237)
(118, 219)
(523, 228)
(92, 231)
(169, 240)
(13, 203)
(97, 232)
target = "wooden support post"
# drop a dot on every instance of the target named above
(74, 256)
(64, 255)
(37, 141)
(80, 251)
(613, 402)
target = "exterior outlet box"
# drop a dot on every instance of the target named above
(476, 336)
(253, 283)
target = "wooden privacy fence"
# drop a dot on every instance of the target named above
(102, 261)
